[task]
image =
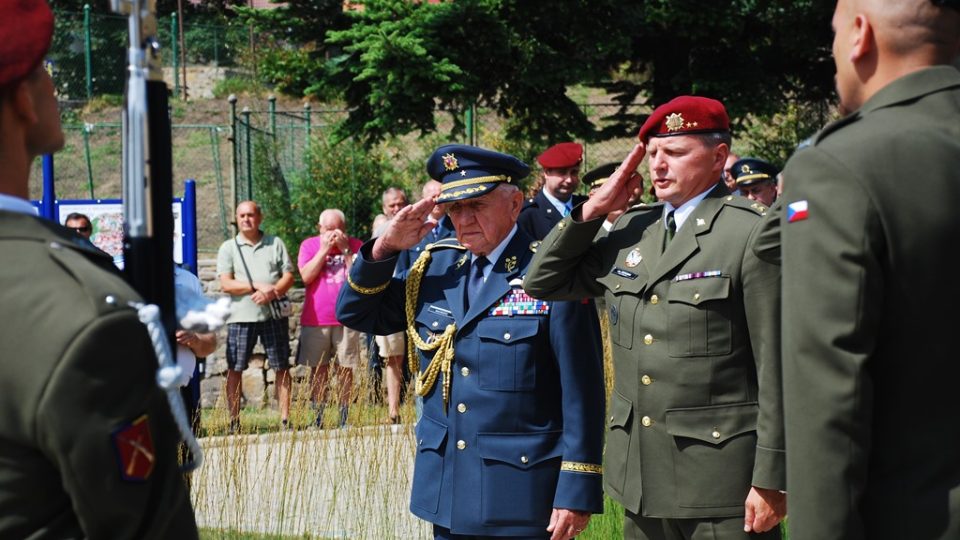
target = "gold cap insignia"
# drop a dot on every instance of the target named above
(450, 162)
(745, 168)
(675, 122)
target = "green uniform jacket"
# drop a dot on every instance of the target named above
(871, 368)
(77, 374)
(695, 416)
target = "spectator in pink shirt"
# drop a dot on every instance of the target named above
(324, 261)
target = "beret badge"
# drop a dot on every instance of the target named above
(675, 122)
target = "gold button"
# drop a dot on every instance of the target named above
(716, 434)
(611, 419)
(654, 299)
(523, 459)
(436, 324)
(648, 339)
(461, 444)
(561, 225)
(464, 371)
(696, 296)
(646, 380)
(646, 421)
(462, 408)
(617, 286)
(506, 336)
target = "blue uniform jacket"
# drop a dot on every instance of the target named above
(538, 215)
(522, 432)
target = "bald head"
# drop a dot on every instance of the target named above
(907, 27)
(878, 41)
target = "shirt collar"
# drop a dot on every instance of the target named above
(495, 253)
(561, 206)
(681, 213)
(16, 204)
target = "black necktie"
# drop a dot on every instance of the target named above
(475, 280)
(671, 229)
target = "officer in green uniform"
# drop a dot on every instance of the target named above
(87, 442)
(695, 444)
(871, 211)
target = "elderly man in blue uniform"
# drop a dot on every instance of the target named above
(510, 439)
(559, 180)
(695, 441)
(756, 179)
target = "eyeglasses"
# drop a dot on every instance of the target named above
(83, 229)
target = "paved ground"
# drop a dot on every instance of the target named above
(352, 483)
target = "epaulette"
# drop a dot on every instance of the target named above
(745, 204)
(444, 243)
(642, 207)
(834, 126)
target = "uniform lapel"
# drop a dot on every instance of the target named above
(454, 290)
(497, 285)
(686, 242)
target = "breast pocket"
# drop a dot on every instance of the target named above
(507, 360)
(623, 299)
(431, 323)
(699, 312)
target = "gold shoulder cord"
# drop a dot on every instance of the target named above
(443, 358)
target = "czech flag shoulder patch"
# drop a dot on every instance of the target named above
(797, 211)
(133, 445)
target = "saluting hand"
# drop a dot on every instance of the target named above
(405, 230)
(617, 191)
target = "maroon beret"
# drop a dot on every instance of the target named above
(686, 115)
(26, 27)
(561, 156)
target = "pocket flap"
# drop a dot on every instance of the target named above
(713, 424)
(521, 450)
(507, 329)
(621, 409)
(619, 285)
(430, 434)
(697, 291)
(433, 320)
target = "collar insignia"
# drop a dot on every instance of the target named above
(510, 263)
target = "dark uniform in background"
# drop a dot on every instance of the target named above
(539, 214)
(756, 179)
(512, 428)
(695, 415)
(88, 447)
(870, 218)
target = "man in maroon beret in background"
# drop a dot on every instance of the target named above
(695, 445)
(559, 179)
(87, 442)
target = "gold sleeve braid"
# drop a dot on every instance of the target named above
(367, 290)
(443, 358)
(576, 466)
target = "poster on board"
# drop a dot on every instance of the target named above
(106, 217)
